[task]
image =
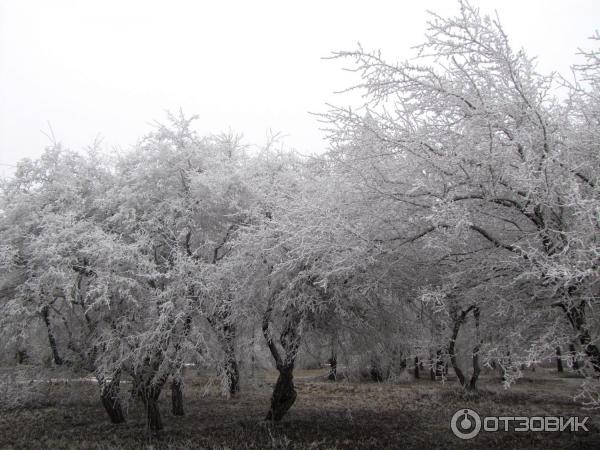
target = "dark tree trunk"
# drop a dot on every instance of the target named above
(284, 395)
(226, 331)
(176, 382)
(573, 354)
(232, 373)
(403, 363)
(230, 366)
(417, 367)
(177, 396)
(150, 395)
(332, 368)
(476, 366)
(432, 367)
(233, 376)
(153, 415)
(109, 393)
(376, 371)
(452, 351)
(333, 360)
(577, 317)
(376, 374)
(51, 339)
(591, 350)
(22, 357)
(439, 365)
(470, 384)
(559, 364)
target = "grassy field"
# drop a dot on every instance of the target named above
(413, 414)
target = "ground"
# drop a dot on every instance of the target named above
(326, 415)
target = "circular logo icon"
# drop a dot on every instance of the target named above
(465, 424)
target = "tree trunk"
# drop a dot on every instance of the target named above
(226, 332)
(51, 339)
(416, 367)
(577, 317)
(109, 393)
(439, 365)
(150, 395)
(476, 366)
(403, 363)
(452, 349)
(232, 373)
(333, 360)
(591, 350)
(573, 354)
(376, 371)
(503, 366)
(22, 357)
(332, 368)
(559, 365)
(458, 321)
(432, 367)
(177, 396)
(284, 395)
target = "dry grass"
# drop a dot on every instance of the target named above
(326, 415)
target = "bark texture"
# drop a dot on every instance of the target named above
(177, 396)
(109, 394)
(45, 311)
(284, 393)
(459, 319)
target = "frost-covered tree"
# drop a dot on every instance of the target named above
(468, 147)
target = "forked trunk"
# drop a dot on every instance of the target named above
(467, 384)
(284, 393)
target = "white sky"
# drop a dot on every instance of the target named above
(110, 68)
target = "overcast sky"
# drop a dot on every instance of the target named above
(110, 68)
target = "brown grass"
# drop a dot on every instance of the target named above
(326, 415)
